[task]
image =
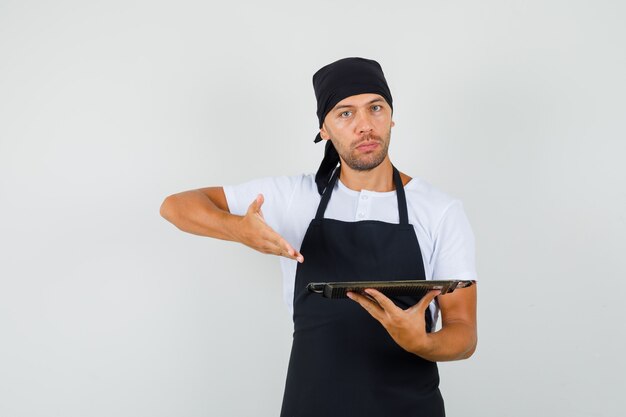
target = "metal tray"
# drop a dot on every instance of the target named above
(415, 288)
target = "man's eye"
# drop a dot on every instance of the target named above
(376, 107)
(345, 114)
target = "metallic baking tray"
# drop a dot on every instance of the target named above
(415, 288)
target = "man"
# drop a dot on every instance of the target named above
(375, 356)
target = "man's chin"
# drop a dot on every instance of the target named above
(365, 164)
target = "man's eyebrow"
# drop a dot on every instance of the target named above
(351, 105)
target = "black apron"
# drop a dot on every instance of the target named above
(343, 362)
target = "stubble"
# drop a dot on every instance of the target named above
(360, 161)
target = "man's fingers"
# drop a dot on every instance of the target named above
(268, 241)
(294, 254)
(429, 297)
(283, 248)
(382, 300)
(370, 306)
(255, 206)
(422, 305)
(291, 252)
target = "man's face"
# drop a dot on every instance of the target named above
(360, 129)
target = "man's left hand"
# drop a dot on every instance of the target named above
(406, 327)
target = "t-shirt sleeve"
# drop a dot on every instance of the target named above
(454, 247)
(277, 193)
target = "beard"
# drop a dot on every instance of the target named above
(359, 161)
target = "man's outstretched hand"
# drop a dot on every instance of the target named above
(255, 233)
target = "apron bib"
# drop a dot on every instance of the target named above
(343, 362)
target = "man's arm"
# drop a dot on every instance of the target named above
(205, 212)
(457, 338)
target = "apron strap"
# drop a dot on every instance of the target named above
(402, 209)
(321, 209)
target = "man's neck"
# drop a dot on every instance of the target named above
(379, 179)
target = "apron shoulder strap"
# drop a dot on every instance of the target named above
(321, 209)
(402, 209)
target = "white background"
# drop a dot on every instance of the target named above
(106, 107)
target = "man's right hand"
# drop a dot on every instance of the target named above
(255, 233)
(205, 212)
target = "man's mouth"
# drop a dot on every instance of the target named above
(368, 146)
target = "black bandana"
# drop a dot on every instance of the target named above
(334, 82)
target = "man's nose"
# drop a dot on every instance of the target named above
(363, 122)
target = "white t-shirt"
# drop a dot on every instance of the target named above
(290, 203)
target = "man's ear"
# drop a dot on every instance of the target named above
(324, 133)
(393, 123)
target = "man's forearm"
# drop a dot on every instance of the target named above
(455, 341)
(205, 212)
(194, 212)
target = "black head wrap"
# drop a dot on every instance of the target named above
(334, 82)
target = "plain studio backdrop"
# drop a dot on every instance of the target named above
(515, 107)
